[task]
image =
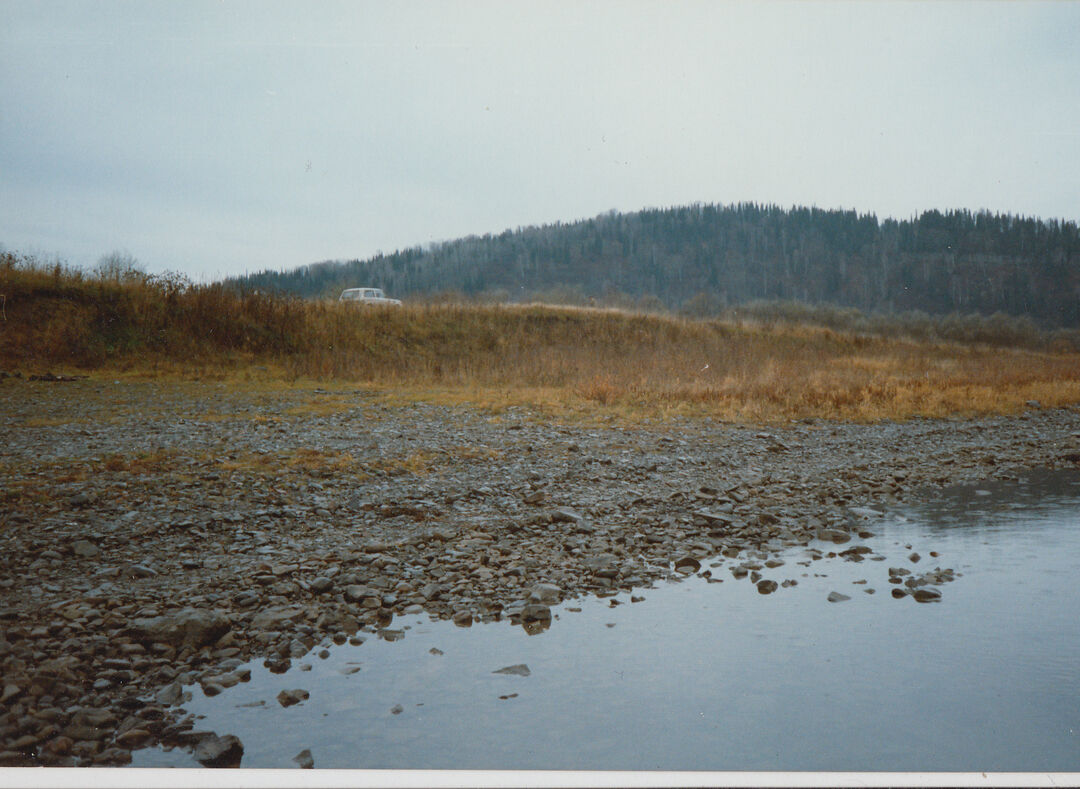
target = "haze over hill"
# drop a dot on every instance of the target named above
(702, 258)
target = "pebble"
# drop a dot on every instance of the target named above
(287, 698)
(766, 587)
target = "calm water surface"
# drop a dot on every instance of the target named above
(714, 676)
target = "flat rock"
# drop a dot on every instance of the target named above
(837, 597)
(518, 669)
(565, 515)
(191, 627)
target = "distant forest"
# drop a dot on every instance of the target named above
(703, 259)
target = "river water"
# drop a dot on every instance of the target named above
(715, 676)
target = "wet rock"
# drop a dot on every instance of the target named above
(766, 587)
(926, 595)
(899, 593)
(397, 709)
(687, 564)
(214, 751)
(833, 535)
(170, 694)
(536, 612)
(837, 597)
(463, 618)
(134, 738)
(287, 698)
(518, 670)
(304, 759)
(913, 557)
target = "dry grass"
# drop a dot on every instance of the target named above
(561, 362)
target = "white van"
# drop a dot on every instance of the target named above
(367, 296)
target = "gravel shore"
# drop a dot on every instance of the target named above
(156, 535)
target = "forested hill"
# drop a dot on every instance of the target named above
(710, 256)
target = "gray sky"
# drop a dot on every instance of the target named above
(216, 138)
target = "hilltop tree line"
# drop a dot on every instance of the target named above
(705, 258)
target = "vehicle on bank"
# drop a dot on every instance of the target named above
(367, 296)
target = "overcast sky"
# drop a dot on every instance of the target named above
(217, 138)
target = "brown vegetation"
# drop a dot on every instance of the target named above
(560, 360)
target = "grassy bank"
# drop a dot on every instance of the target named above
(562, 360)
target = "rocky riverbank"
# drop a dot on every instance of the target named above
(153, 536)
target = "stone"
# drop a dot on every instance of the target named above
(565, 515)
(926, 595)
(833, 535)
(463, 618)
(134, 738)
(60, 746)
(518, 670)
(214, 751)
(547, 594)
(355, 593)
(304, 759)
(190, 627)
(140, 571)
(766, 587)
(85, 548)
(687, 564)
(397, 709)
(287, 698)
(170, 694)
(321, 584)
(535, 497)
(837, 597)
(913, 557)
(536, 612)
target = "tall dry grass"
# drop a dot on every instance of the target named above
(564, 360)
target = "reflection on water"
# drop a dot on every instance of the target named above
(715, 676)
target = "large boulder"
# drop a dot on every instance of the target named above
(191, 627)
